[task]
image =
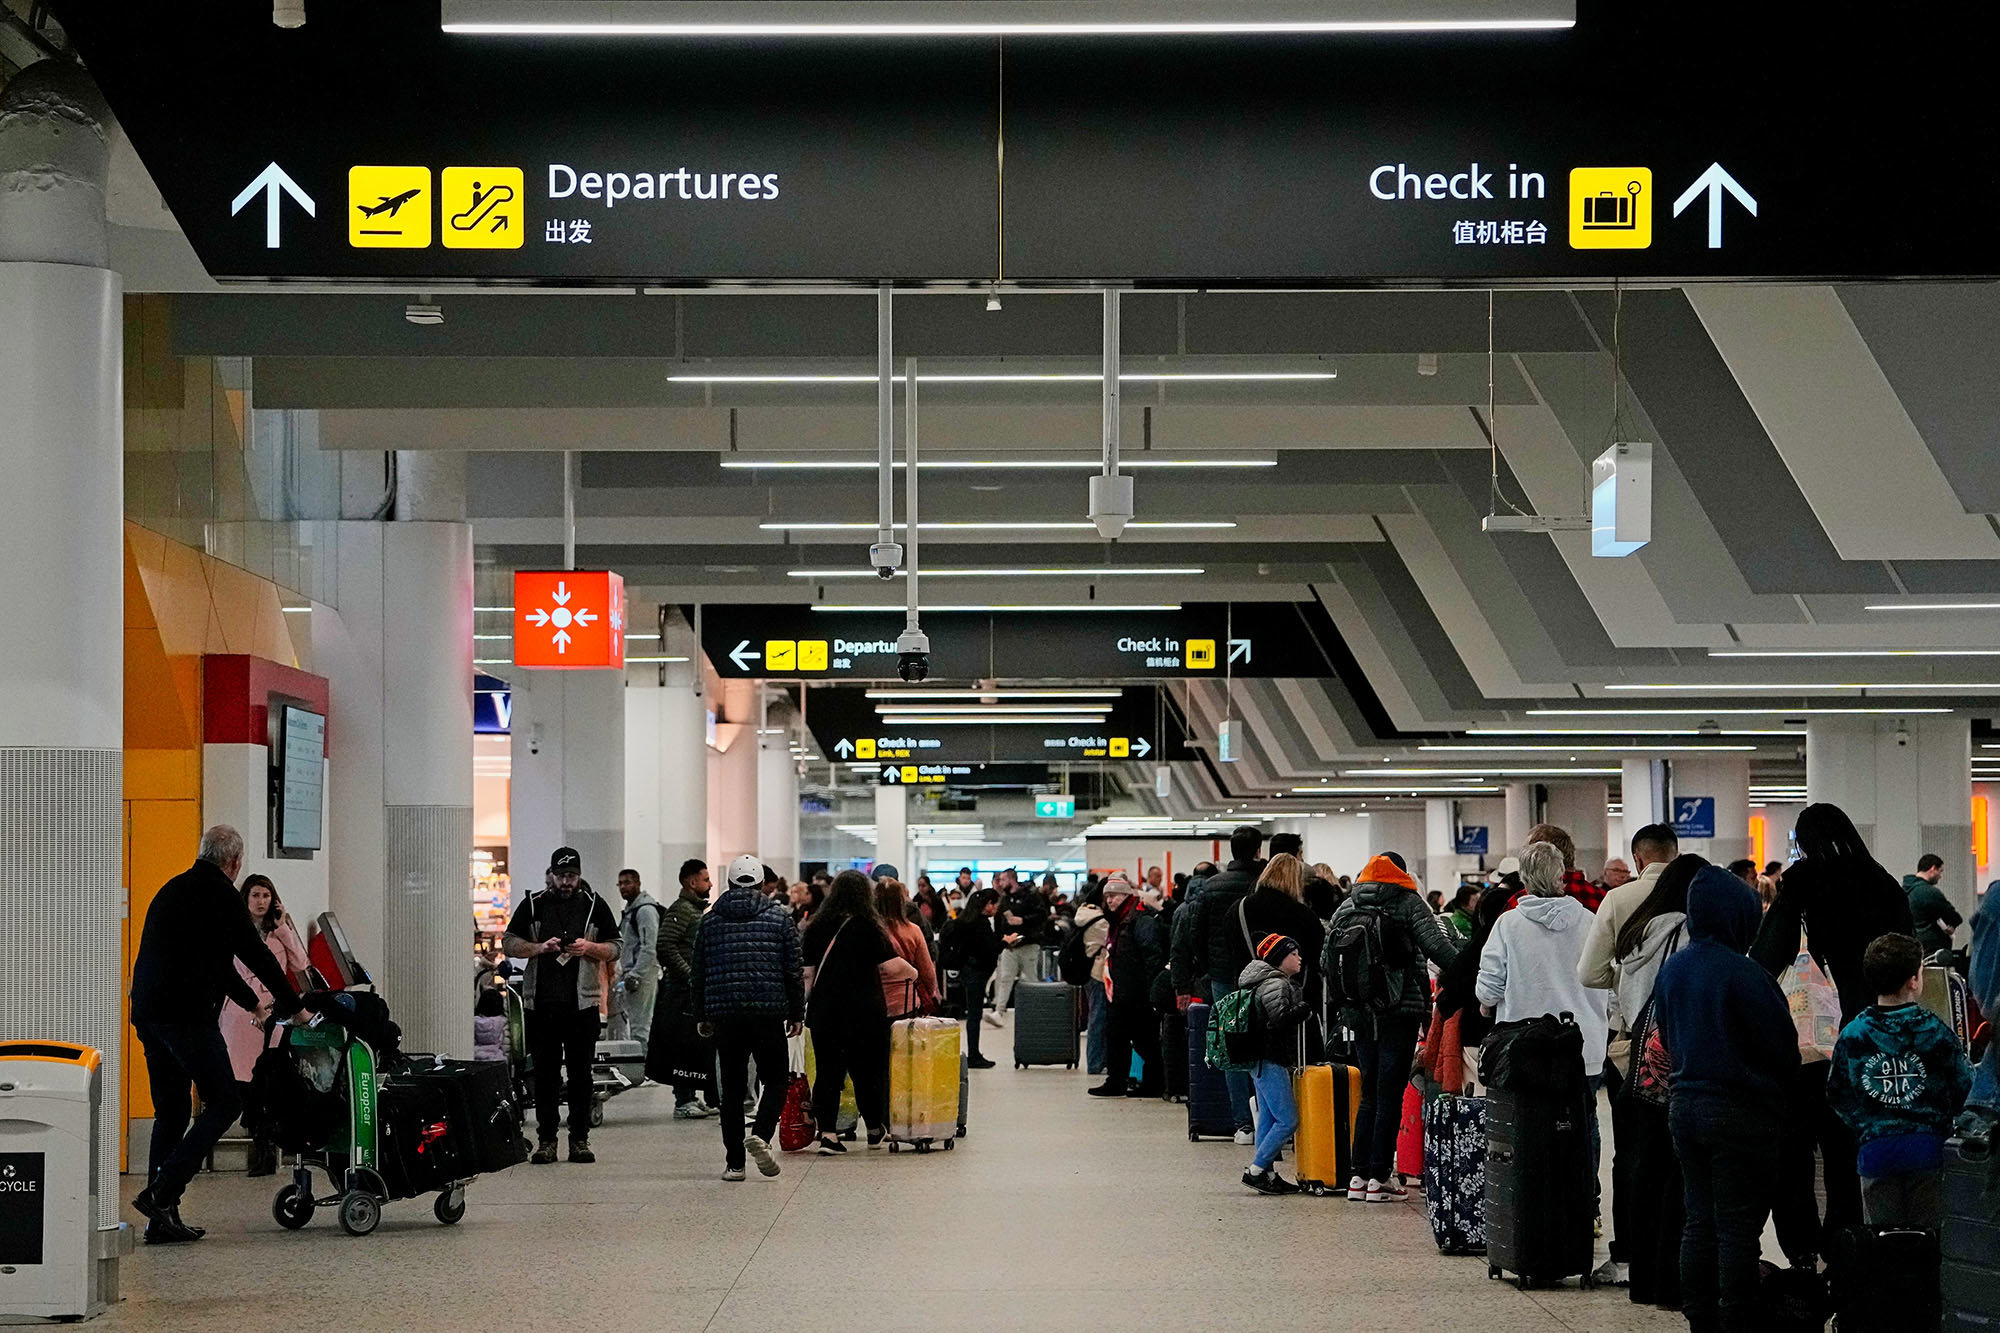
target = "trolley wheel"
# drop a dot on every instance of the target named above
(450, 1205)
(1193, 1137)
(923, 1145)
(1019, 1065)
(894, 1147)
(360, 1212)
(597, 1115)
(961, 1132)
(292, 1207)
(1492, 1272)
(949, 1144)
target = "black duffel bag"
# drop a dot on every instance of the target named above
(1538, 1056)
(289, 1107)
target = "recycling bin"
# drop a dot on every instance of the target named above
(54, 1262)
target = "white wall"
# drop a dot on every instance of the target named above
(235, 790)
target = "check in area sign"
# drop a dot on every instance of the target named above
(1641, 143)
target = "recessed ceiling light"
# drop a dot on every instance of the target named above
(1581, 749)
(1719, 712)
(1085, 571)
(986, 525)
(741, 464)
(1934, 606)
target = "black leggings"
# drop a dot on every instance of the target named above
(974, 981)
(1133, 1026)
(1811, 1124)
(851, 1046)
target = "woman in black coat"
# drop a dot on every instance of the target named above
(844, 947)
(974, 945)
(1838, 899)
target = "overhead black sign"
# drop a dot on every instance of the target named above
(926, 749)
(1649, 141)
(1202, 640)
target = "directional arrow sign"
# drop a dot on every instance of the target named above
(272, 181)
(844, 748)
(1715, 180)
(1141, 747)
(1239, 650)
(892, 775)
(742, 656)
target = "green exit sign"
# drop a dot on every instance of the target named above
(1055, 807)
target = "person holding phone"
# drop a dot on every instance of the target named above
(564, 932)
(243, 1028)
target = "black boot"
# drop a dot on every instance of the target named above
(263, 1158)
(1116, 1087)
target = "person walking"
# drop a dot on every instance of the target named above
(1374, 964)
(562, 932)
(675, 1053)
(1732, 1055)
(638, 955)
(1025, 914)
(1134, 954)
(1203, 961)
(746, 993)
(844, 947)
(1834, 900)
(243, 1029)
(1276, 978)
(195, 932)
(975, 943)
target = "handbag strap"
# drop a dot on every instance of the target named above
(1243, 923)
(819, 968)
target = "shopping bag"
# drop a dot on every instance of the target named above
(1815, 1006)
(796, 1127)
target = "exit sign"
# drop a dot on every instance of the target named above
(1055, 807)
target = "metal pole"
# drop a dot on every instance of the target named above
(910, 481)
(1111, 415)
(885, 416)
(569, 509)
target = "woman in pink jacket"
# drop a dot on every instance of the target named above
(892, 900)
(243, 1030)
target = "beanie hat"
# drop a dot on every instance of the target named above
(1117, 882)
(1274, 949)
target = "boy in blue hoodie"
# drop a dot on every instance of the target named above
(1899, 1076)
(1729, 1037)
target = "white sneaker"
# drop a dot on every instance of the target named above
(992, 1019)
(1245, 1139)
(691, 1111)
(1357, 1190)
(760, 1153)
(1611, 1273)
(733, 1173)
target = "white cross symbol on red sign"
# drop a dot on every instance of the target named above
(562, 617)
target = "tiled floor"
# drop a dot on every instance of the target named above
(1057, 1212)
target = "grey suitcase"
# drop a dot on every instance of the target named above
(1044, 1024)
(964, 1089)
(1971, 1242)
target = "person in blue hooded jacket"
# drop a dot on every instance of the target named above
(1733, 1050)
(1982, 1106)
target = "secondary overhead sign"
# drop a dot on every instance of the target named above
(851, 727)
(1645, 142)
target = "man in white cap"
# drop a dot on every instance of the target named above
(748, 993)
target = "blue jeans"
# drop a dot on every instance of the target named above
(1985, 981)
(1237, 1079)
(1729, 1170)
(1094, 1034)
(178, 1054)
(1277, 1112)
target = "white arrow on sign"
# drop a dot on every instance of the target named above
(1141, 747)
(742, 656)
(272, 181)
(1239, 650)
(844, 747)
(892, 775)
(1715, 180)
(562, 641)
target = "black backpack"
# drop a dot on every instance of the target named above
(1074, 960)
(1366, 965)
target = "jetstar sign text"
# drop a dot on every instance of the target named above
(569, 619)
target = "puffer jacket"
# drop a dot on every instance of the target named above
(1207, 948)
(747, 961)
(1135, 953)
(675, 946)
(1281, 1002)
(1411, 933)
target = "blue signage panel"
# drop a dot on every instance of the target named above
(1694, 816)
(492, 706)
(1472, 840)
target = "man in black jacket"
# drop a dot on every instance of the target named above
(747, 991)
(1023, 913)
(1204, 947)
(673, 1028)
(196, 930)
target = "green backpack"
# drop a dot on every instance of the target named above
(1233, 1038)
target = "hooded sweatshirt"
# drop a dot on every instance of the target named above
(1727, 1028)
(1637, 974)
(1410, 933)
(1932, 912)
(1528, 969)
(1899, 1077)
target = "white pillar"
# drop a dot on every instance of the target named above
(1642, 799)
(1726, 779)
(732, 794)
(1440, 846)
(1906, 784)
(644, 760)
(683, 773)
(1520, 817)
(778, 806)
(569, 775)
(62, 546)
(398, 659)
(892, 829)
(1579, 807)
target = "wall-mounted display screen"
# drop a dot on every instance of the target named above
(301, 765)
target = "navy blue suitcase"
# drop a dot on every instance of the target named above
(1455, 1172)
(1209, 1114)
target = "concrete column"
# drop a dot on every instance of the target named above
(1579, 807)
(1440, 845)
(1520, 817)
(892, 829)
(62, 665)
(732, 794)
(666, 765)
(1727, 779)
(569, 775)
(778, 806)
(1642, 792)
(644, 759)
(1906, 784)
(398, 660)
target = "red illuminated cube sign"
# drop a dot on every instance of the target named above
(571, 618)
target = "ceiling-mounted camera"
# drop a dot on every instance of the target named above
(913, 655)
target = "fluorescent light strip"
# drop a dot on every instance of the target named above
(632, 660)
(996, 710)
(985, 525)
(491, 638)
(939, 720)
(1720, 712)
(1626, 731)
(558, 28)
(296, 610)
(1934, 606)
(922, 694)
(1581, 749)
(1085, 573)
(1854, 652)
(1821, 687)
(889, 608)
(984, 464)
(496, 610)
(1028, 377)
(642, 638)
(1475, 772)
(492, 661)
(1416, 789)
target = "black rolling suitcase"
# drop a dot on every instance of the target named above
(1885, 1280)
(1045, 1027)
(1209, 1113)
(423, 1148)
(478, 1099)
(1174, 1055)
(1970, 1242)
(1541, 1193)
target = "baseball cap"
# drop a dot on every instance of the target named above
(1509, 865)
(746, 870)
(566, 858)
(884, 870)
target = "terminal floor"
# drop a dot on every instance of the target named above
(1056, 1212)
